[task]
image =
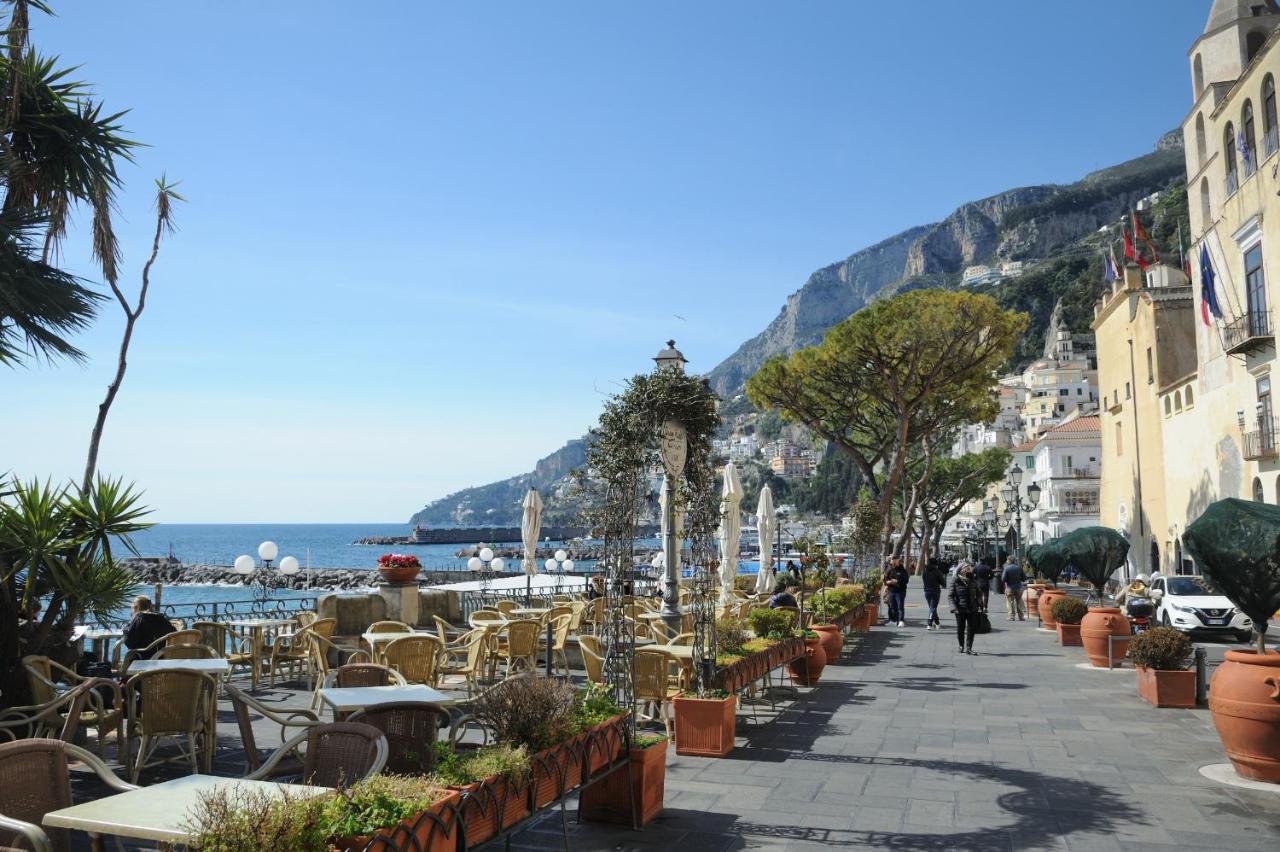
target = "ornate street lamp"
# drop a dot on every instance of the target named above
(486, 565)
(674, 451)
(259, 582)
(1015, 506)
(557, 566)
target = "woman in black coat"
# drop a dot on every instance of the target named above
(966, 604)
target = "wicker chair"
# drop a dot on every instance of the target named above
(34, 780)
(235, 647)
(415, 657)
(520, 650)
(362, 674)
(169, 703)
(443, 628)
(60, 717)
(579, 609)
(411, 729)
(465, 657)
(295, 652)
(652, 685)
(592, 658)
(320, 649)
(660, 631)
(337, 754)
(186, 652)
(43, 675)
(170, 640)
(486, 616)
(559, 635)
(389, 627)
(683, 639)
(505, 607)
(244, 705)
(305, 618)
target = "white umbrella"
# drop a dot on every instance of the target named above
(764, 523)
(530, 526)
(730, 527)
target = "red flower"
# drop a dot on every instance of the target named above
(398, 560)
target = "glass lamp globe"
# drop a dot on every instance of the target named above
(550, 565)
(567, 565)
(474, 563)
(267, 551)
(561, 556)
(244, 564)
(658, 560)
(486, 554)
(498, 564)
(289, 565)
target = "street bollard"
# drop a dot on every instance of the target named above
(1202, 683)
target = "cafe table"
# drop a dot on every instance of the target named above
(256, 626)
(348, 699)
(682, 654)
(99, 637)
(160, 813)
(530, 611)
(377, 640)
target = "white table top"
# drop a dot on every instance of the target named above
(531, 610)
(345, 700)
(83, 632)
(158, 812)
(391, 637)
(260, 622)
(216, 666)
(679, 652)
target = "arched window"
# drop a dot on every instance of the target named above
(1168, 407)
(1202, 147)
(1249, 151)
(1177, 400)
(1190, 401)
(1253, 42)
(1198, 74)
(1258, 496)
(1206, 208)
(1229, 158)
(1270, 136)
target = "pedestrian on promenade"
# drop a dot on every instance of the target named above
(935, 575)
(982, 575)
(966, 604)
(895, 584)
(1015, 580)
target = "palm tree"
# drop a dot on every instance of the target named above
(58, 150)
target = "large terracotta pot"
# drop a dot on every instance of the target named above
(606, 800)
(1068, 635)
(1101, 622)
(1167, 688)
(1244, 697)
(806, 669)
(1045, 605)
(832, 641)
(399, 574)
(705, 727)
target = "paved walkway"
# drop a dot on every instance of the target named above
(907, 745)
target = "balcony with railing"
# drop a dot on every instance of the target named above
(1260, 443)
(1249, 332)
(1075, 507)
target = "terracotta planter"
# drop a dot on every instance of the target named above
(438, 834)
(1244, 697)
(604, 743)
(1068, 635)
(832, 641)
(1165, 688)
(606, 800)
(806, 669)
(1045, 605)
(399, 575)
(870, 615)
(1101, 622)
(705, 727)
(556, 771)
(492, 806)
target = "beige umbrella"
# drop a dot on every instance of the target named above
(530, 526)
(730, 527)
(765, 524)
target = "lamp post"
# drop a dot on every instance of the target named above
(1011, 492)
(260, 578)
(674, 451)
(486, 565)
(557, 566)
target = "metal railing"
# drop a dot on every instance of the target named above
(1252, 329)
(1079, 507)
(1260, 443)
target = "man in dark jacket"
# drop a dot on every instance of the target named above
(966, 604)
(145, 627)
(895, 586)
(934, 578)
(982, 574)
(1014, 582)
(784, 596)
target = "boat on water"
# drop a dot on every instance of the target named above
(419, 535)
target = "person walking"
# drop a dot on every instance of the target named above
(966, 603)
(1015, 580)
(982, 575)
(895, 584)
(934, 578)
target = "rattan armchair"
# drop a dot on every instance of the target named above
(244, 705)
(170, 703)
(653, 689)
(186, 652)
(234, 646)
(296, 652)
(59, 717)
(520, 648)
(505, 607)
(169, 640)
(104, 714)
(337, 755)
(415, 657)
(34, 780)
(559, 635)
(411, 729)
(362, 674)
(465, 658)
(592, 658)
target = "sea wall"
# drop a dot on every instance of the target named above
(150, 571)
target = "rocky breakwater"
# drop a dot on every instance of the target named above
(170, 572)
(577, 554)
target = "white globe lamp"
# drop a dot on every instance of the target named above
(289, 565)
(567, 564)
(486, 554)
(550, 565)
(561, 556)
(474, 563)
(498, 564)
(267, 551)
(244, 564)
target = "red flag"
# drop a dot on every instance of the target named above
(1140, 234)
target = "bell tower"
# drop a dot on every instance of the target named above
(1233, 35)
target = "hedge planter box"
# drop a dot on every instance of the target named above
(604, 743)
(606, 800)
(705, 727)
(434, 830)
(491, 806)
(1165, 688)
(557, 770)
(1069, 635)
(736, 675)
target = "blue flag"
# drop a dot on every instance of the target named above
(1208, 295)
(1111, 273)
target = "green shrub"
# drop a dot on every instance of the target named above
(239, 820)
(595, 705)
(530, 711)
(1069, 610)
(643, 741)
(847, 597)
(730, 634)
(379, 802)
(1161, 648)
(772, 622)
(744, 582)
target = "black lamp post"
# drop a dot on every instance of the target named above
(1011, 492)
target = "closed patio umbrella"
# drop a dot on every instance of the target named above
(530, 526)
(730, 527)
(765, 524)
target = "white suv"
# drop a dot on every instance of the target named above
(1191, 605)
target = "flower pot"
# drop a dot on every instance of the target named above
(807, 668)
(403, 574)
(705, 727)
(1068, 635)
(607, 801)
(556, 771)
(604, 743)
(870, 615)
(1244, 698)
(491, 806)
(1167, 688)
(1045, 605)
(832, 641)
(1101, 622)
(434, 830)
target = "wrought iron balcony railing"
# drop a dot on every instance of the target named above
(1261, 442)
(1248, 332)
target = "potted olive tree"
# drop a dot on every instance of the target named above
(1097, 552)
(1162, 657)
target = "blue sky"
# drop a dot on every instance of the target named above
(423, 241)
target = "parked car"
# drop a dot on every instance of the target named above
(1192, 605)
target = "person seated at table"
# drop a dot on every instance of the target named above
(145, 627)
(595, 589)
(784, 596)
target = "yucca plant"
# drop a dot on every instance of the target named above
(57, 565)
